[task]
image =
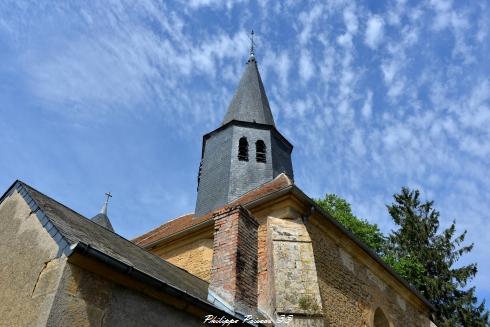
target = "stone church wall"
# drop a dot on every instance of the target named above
(41, 289)
(29, 271)
(287, 278)
(195, 256)
(351, 291)
(86, 299)
(295, 277)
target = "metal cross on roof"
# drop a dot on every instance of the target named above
(252, 44)
(108, 195)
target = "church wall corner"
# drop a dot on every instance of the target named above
(31, 264)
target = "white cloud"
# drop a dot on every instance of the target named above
(350, 20)
(357, 143)
(282, 67)
(447, 17)
(374, 32)
(306, 66)
(308, 19)
(345, 40)
(443, 13)
(367, 108)
(197, 4)
(389, 70)
(483, 26)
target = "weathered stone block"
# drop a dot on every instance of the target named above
(294, 275)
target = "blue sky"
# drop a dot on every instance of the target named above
(116, 95)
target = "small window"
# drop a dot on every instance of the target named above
(243, 149)
(260, 151)
(380, 319)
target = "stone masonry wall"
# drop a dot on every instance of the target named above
(351, 291)
(234, 268)
(294, 276)
(30, 271)
(85, 299)
(195, 257)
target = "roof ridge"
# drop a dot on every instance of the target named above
(61, 204)
(242, 200)
(160, 226)
(260, 186)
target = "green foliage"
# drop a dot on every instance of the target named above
(407, 267)
(426, 257)
(341, 210)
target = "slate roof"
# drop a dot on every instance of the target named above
(68, 226)
(250, 103)
(187, 221)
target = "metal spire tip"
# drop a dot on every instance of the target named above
(106, 203)
(252, 45)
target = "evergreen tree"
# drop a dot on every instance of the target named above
(431, 256)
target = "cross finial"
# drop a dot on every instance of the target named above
(104, 207)
(252, 44)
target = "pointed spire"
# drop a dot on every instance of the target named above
(106, 203)
(101, 218)
(250, 103)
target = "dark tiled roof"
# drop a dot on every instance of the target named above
(75, 228)
(184, 222)
(250, 102)
(169, 228)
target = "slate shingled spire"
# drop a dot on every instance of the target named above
(250, 103)
(246, 151)
(101, 218)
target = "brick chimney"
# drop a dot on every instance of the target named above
(233, 283)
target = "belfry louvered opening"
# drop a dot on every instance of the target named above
(260, 151)
(243, 149)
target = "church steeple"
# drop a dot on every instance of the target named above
(250, 102)
(246, 151)
(101, 218)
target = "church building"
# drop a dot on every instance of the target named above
(257, 250)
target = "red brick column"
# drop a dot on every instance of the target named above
(234, 269)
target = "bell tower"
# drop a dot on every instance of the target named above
(246, 151)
